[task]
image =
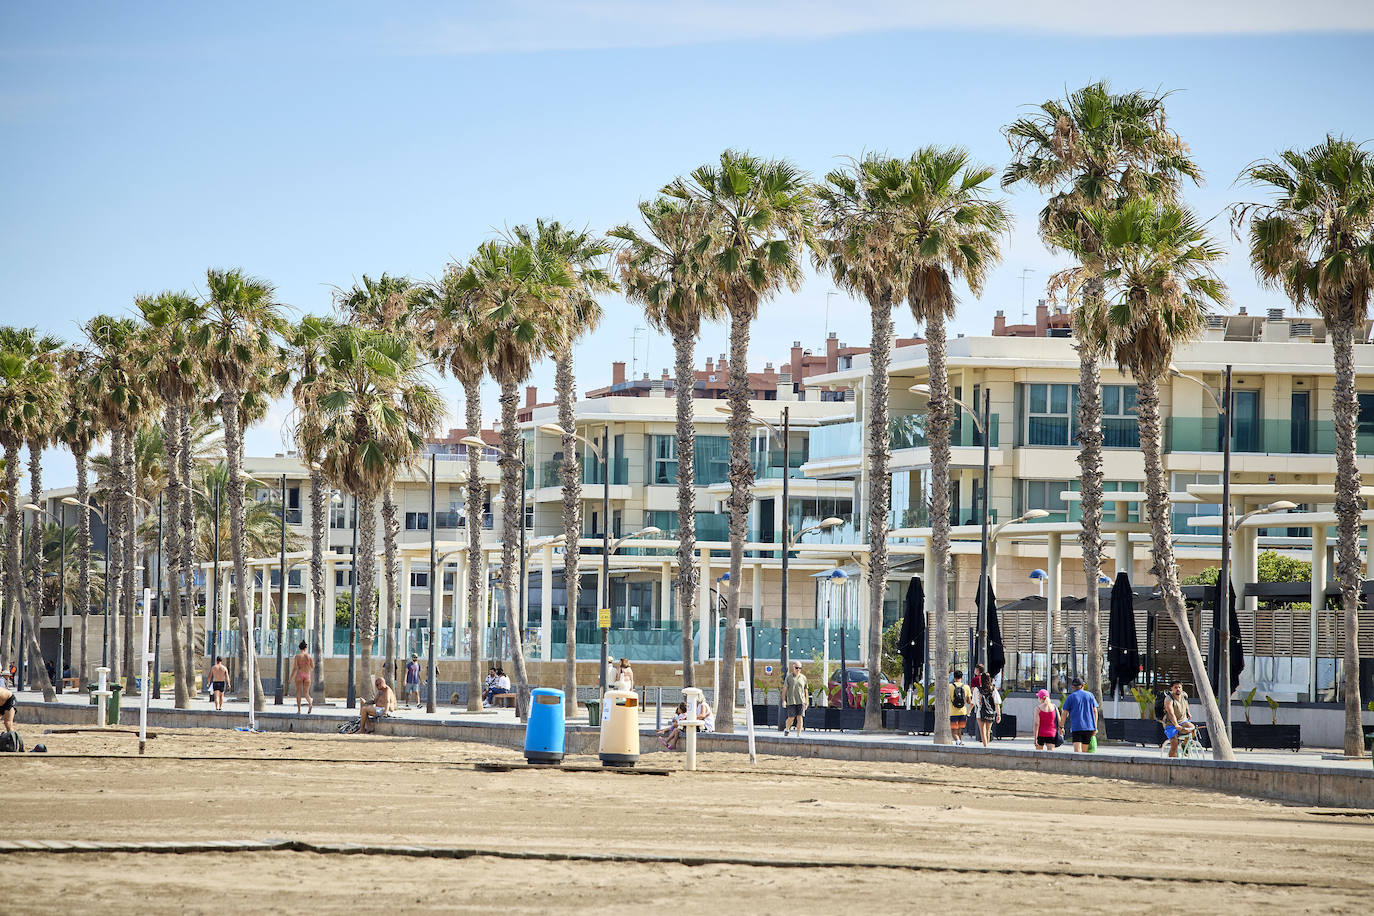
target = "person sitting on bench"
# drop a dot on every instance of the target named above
(382, 704)
(7, 703)
(500, 686)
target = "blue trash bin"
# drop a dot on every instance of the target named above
(544, 732)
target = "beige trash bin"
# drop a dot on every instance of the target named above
(619, 728)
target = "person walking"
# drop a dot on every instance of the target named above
(1046, 722)
(219, 681)
(301, 666)
(625, 675)
(794, 697)
(413, 680)
(989, 703)
(960, 699)
(1080, 715)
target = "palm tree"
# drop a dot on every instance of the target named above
(949, 229)
(667, 271)
(579, 254)
(45, 391)
(453, 325)
(26, 378)
(1314, 240)
(1160, 281)
(859, 246)
(376, 408)
(237, 341)
(1093, 148)
(261, 524)
(763, 209)
(79, 429)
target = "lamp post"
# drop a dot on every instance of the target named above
(61, 583)
(105, 613)
(317, 687)
(157, 638)
(214, 610)
(279, 696)
(353, 614)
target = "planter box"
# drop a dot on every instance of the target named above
(921, 721)
(1266, 737)
(1006, 728)
(767, 715)
(1134, 731)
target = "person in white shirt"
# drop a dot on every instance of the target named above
(625, 676)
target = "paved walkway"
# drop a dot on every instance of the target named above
(1316, 757)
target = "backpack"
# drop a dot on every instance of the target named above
(11, 743)
(1159, 706)
(957, 697)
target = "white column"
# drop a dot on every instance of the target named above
(383, 606)
(546, 604)
(1125, 561)
(756, 573)
(308, 596)
(1053, 597)
(665, 593)
(403, 648)
(704, 605)
(226, 589)
(1317, 597)
(266, 626)
(460, 603)
(330, 603)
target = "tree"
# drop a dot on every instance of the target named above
(1160, 282)
(238, 342)
(1314, 240)
(763, 210)
(376, 408)
(1093, 148)
(859, 246)
(44, 390)
(668, 272)
(949, 229)
(581, 256)
(80, 425)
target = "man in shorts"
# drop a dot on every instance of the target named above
(960, 701)
(7, 704)
(794, 697)
(1080, 714)
(413, 680)
(219, 681)
(1178, 722)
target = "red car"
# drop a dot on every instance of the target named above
(859, 676)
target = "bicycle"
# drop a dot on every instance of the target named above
(1190, 746)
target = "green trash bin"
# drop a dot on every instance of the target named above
(594, 713)
(112, 709)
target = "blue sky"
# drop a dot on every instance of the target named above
(310, 143)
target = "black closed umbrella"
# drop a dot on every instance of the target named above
(1123, 651)
(911, 642)
(1214, 644)
(997, 653)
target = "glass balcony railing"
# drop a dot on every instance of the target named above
(594, 472)
(835, 441)
(1283, 436)
(908, 431)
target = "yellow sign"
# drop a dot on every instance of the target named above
(603, 618)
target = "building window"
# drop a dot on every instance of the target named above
(662, 463)
(343, 515)
(1047, 495)
(1120, 425)
(1050, 413)
(417, 521)
(419, 579)
(1179, 513)
(529, 517)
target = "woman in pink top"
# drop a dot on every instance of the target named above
(1046, 722)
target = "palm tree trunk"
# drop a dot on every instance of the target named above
(243, 607)
(1345, 413)
(318, 521)
(684, 343)
(127, 475)
(114, 520)
(740, 426)
(472, 398)
(940, 421)
(172, 536)
(83, 554)
(365, 569)
(1090, 475)
(188, 540)
(14, 577)
(879, 502)
(1165, 566)
(390, 531)
(36, 595)
(566, 387)
(9, 647)
(511, 482)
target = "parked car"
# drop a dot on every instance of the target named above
(856, 677)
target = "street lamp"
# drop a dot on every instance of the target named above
(475, 442)
(105, 613)
(61, 582)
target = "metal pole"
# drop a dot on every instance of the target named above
(157, 638)
(606, 548)
(62, 598)
(279, 697)
(844, 675)
(1224, 576)
(523, 558)
(105, 611)
(435, 588)
(353, 614)
(214, 612)
(786, 547)
(982, 647)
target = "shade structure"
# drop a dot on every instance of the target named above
(911, 642)
(997, 653)
(1123, 651)
(1213, 644)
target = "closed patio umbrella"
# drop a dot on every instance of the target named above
(997, 653)
(1214, 651)
(1123, 651)
(911, 642)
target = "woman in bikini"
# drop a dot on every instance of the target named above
(301, 666)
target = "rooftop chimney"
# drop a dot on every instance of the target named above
(617, 372)
(1042, 318)
(531, 395)
(999, 324)
(785, 390)
(710, 365)
(832, 352)
(722, 365)
(1276, 314)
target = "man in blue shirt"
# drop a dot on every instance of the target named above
(1080, 714)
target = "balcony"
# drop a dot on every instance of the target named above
(837, 440)
(1272, 437)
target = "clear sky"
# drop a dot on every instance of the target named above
(312, 142)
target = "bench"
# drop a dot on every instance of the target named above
(503, 699)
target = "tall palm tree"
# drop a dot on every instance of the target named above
(581, 255)
(454, 328)
(1314, 239)
(80, 426)
(1093, 148)
(385, 304)
(1160, 280)
(45, 391)
(237, 340)
(763, 209)
(667, 271)
(859, 246)
(376, 408)
(950, 229)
